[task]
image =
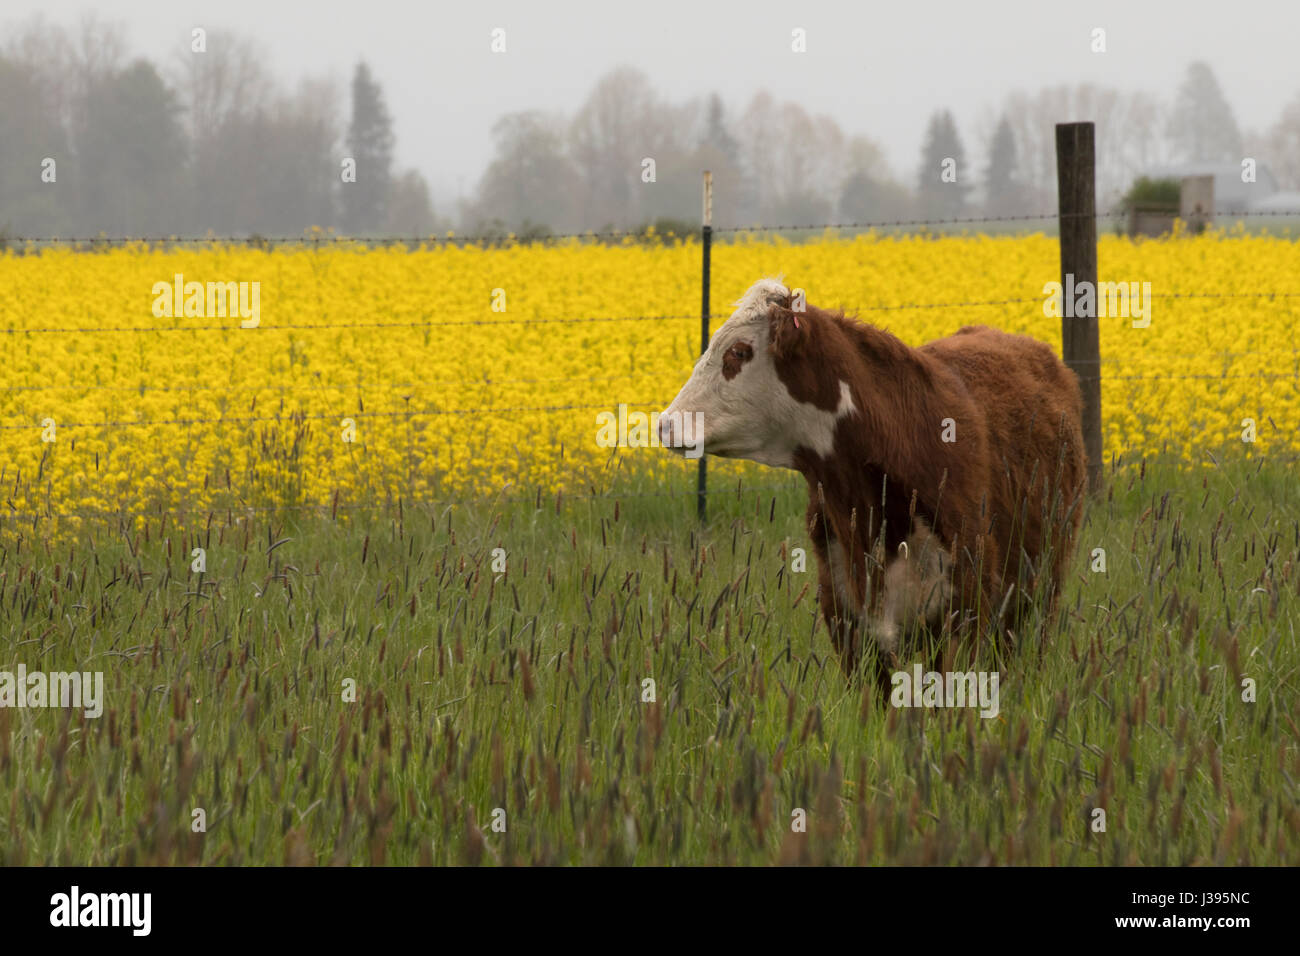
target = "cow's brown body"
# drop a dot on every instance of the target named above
(1004, 496)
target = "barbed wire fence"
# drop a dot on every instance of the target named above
(1077, 221)
(507, 237)
(848, 309)
(628, 236)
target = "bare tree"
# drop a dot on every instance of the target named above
(67, 66)
(226, 83)
(225, 92)
(1280, 147)
(45, 54)
(796, 163)
(296, 185)
(622, 123)
(531, 179)
(1129, 139)
(29, 134)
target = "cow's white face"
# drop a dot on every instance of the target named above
(737, 400)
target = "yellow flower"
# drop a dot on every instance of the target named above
(451, 396)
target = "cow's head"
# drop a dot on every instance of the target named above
(758, 391)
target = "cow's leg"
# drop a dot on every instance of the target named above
(846, 632)
(840, 606)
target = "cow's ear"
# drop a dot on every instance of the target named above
(787, 330)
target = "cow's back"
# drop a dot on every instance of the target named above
(995, 364)
(1031, 410)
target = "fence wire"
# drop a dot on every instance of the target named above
(296, 416)
(539, 499)
(575, 320)
(638, 235)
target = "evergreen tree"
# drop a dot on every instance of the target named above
(942, 159)
(716, 133)
(1000, 186)
(131, 154)
(370, 143)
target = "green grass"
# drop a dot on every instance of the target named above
(523, 691)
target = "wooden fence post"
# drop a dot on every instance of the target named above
(706, 240)
(1080, 338)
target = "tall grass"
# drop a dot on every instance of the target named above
(525, 692)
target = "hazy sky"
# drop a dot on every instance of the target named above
(879, 68)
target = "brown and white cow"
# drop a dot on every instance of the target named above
(966, 451)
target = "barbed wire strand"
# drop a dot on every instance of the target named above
(965, 220)
(359, 325)
(296, 416)
(341, 386)
(525, 239)
(489, 499)
(512, 237)
(310, 386)
(910, 306)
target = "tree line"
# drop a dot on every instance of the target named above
(94, 140)
(775, 163)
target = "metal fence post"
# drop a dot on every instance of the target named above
(706, 244)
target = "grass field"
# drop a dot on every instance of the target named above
(501, 717)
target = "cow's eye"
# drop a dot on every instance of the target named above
(735, 357)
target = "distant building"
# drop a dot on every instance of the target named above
(1230, 193)
(1280, 203)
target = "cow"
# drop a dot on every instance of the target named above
(964, 455)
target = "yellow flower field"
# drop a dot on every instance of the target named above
(197, 412)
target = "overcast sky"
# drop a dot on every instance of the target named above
(879, 68)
